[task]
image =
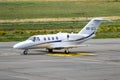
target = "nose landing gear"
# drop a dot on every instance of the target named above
(25, 52)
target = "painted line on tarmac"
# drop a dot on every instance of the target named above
(8, 54)
(70, 54)
(98, 60)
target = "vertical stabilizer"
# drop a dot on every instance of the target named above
(92, 26)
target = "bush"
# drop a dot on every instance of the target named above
(3, 33)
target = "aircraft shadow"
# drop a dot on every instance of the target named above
(44, 52)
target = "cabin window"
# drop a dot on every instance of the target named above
(48, 38)
(56, 37)
(44, 38)
(68, 36)
(52, 38)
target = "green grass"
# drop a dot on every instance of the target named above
(22, 10)
(52, 25)
(26, 10)
(21, 31)
(41, 25)
(108, 35)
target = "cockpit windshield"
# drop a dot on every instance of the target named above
(33, 38)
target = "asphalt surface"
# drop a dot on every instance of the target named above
(105, 65)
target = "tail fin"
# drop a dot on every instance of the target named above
(92, 26)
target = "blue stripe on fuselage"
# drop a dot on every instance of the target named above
(84, 37)
(54, 41)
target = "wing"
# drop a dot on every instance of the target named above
(67, 46)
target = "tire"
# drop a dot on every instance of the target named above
(50, 50)
(25, 52)
(66, 51)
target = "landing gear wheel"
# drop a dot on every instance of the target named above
(50, 50)
(25, 52)
(67, 51)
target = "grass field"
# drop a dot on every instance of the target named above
(27, 10)
(21, 19)
(21, 31)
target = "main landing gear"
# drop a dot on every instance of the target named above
(50, 50)
(66, 51)
(25, 52)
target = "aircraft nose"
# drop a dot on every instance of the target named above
(17, 46)
(22, 45)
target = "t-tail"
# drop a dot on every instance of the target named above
(91, 27)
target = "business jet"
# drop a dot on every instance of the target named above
(60, 40)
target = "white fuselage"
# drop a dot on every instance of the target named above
(55, 41)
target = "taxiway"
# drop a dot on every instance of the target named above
(104, 65)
